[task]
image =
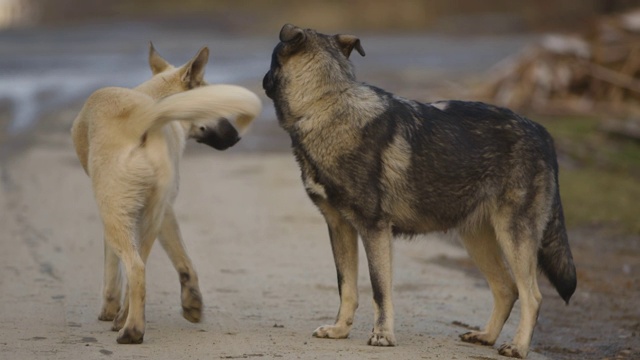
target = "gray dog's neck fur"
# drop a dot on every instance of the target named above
(323, 92)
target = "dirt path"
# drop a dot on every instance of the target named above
(603, 319)
(266, 272)
(263, 257)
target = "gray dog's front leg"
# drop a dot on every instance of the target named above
(378, 246)
(344, 243)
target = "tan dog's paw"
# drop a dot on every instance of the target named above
(120, 319)
(332, 332)
(477, 337)
(130, 336)
(190, 297)
(382, 339)
(109, 311)
(513, 351)
(192, 305)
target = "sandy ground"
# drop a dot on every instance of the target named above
(261, 251)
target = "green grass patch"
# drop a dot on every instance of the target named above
(594, 197)
(599, 175)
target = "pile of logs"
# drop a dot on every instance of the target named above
(598, 71)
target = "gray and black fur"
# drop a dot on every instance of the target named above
(378, 165)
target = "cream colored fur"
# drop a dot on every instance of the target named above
(129, 142)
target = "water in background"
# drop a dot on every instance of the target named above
(45, 69)
(41, 70)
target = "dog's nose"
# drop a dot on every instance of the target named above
(222, 137)
(224, 144)
(234, 141)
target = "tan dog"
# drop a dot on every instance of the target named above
(129, 142)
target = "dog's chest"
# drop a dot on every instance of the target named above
(313, 187)
(310, 174)
(321, 179)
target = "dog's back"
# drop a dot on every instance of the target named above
(460, 157)
(105, 120)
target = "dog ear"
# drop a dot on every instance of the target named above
(156, 62)
(347, 43)
(193, 71)
(291, 33)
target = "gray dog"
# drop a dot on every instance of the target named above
(377, 165)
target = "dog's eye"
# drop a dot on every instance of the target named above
(203, 129)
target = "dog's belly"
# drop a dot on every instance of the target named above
(421, 227)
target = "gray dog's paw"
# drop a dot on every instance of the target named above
(476, 337)
(512, 350)
(382, 339)
(332, 332)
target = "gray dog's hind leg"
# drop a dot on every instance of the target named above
(520, 249)
(485, 252)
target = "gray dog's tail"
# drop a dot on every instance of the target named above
(554, 257)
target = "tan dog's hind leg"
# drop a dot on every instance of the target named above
(119, 321)
(171, 240)
(122, 241)
(485, 252)
(121, 317)
(147, 231)
(344, 243)
(120, 209)
(112, 285)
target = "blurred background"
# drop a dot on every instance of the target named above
(255, 15)
(573, 65)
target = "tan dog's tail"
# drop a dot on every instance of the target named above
(207, 103)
